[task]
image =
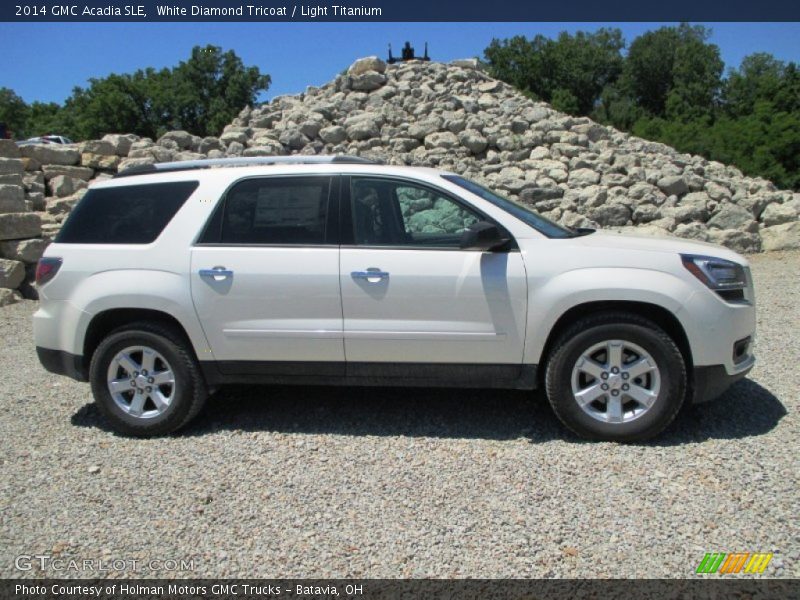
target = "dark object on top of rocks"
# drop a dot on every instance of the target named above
(408, 54)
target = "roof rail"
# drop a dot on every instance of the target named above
(244, 161)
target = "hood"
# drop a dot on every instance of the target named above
(645, 243)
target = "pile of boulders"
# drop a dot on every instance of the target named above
(451, 116)
(39, 185)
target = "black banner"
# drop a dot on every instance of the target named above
(377, 589)
(399, 10)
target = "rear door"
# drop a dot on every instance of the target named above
(265, 277)
(415, 303)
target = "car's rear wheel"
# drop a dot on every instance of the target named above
(146, 381)
(617, 377)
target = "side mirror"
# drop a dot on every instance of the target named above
(484, 236)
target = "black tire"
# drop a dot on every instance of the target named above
(595, 329)
(190, 387)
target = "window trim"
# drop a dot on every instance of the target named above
(331, 215)
(347, 226)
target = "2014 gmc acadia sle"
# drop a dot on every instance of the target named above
(170, 280)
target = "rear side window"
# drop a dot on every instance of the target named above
(134, 214)
(272, 210)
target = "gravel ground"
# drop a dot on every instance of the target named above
(330, 482)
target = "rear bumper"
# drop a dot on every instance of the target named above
(710, 382)
(62, 363)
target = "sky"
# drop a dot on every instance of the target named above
(44, 61)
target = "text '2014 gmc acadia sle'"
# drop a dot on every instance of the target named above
(170, 280)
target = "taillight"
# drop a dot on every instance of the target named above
(46, 269)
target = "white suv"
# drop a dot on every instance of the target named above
(170, 280)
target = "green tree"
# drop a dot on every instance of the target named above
(570, 71)
(675, 65)
(212, 87)
(696, 81)
(200, 95)
(43, 118)
(13, 111)
(761, 77)
(117, 103)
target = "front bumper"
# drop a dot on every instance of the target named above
(711, 382)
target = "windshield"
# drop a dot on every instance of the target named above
(526, 215)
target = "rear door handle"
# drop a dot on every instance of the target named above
(216, 273)
(371, 275)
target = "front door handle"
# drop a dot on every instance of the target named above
(372, 275)
(218, 273)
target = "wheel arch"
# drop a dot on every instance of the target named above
(659, 315)
(108, 320)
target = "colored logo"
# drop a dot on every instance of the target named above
(738, 562)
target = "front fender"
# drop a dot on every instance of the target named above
(550, 299)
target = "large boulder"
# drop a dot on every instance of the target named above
(230, 137)
(121, 142)
(52, 154)
(473, 141)
(9, 149)
(442, 139)
(367, 64)
(610, 215)
(10, 166)
(62, 186)
(731, 216)
(15, 226)
(583, 178)
(101, 147)
(335, 134)
(366, 82)
(12, 198)
(104, 162)
(777, 214)
(740, 241)
(785, 236)
(50, 171)
(363, 126)
(12, 273)
(27, 251)
(673, 185)
(183, 139)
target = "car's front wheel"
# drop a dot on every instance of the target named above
(146, 381)
(616, 377)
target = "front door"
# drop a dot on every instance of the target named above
(411, 295)
(265, 278)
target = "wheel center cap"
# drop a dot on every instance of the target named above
(141, 381)
(614, 381)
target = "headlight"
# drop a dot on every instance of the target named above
(717, 273)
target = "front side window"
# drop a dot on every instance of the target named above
(399, 213)
(274, 210)
(130, 214)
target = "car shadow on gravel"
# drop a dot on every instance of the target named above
(747, 409)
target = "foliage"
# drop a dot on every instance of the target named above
(668, 87)
(13, 110)
(572, 68)
(200, 95)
